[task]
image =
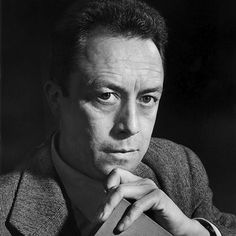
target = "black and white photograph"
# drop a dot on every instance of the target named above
(118, 117)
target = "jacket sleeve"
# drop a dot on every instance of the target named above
(202, 197)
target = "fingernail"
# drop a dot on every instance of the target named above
(121, 227)
(100, 215)
(111, 188)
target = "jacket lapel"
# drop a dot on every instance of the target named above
(39, 207)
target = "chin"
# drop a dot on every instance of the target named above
(105, 169)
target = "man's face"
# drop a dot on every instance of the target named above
(108, 118)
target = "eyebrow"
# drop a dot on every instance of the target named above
(115, 87)
(158, 89)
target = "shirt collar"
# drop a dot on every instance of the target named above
(86, 194)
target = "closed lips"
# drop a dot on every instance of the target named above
(121, 150)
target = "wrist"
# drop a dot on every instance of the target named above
(194, 228)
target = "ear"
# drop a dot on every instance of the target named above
(54, 95)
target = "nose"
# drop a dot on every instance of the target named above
(127, 122)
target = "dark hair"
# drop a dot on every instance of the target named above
(127, 18)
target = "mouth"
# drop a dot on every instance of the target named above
(120, 150)
(122, 156)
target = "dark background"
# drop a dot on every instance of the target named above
(198, 108)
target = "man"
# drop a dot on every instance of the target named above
(107, 80)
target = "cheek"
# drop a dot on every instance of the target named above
(98, 130)
(98, 124)
(148, 123)
(73, 122)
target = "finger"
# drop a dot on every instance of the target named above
(133, 190)
(119, 176)
(147, 202)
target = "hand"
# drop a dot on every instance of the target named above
(123, 184)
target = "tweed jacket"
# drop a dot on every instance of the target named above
(34, 202)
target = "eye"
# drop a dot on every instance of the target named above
(105, 96)
(148, 100)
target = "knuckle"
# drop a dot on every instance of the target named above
(136, 206)
(159, 195)
(116, 171)
(135, 210)
(109, 200)
(149, 182)
(161, 202)
(119, 191)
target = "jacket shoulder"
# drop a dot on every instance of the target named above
(169, 152)
(10, 182)
(179, 171)
(169, 146)
(173, 155)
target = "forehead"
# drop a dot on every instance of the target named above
(119, 57)
(102, 49)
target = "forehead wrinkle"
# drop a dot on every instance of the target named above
(148, 72)
(120, 73)
(119, 68)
